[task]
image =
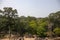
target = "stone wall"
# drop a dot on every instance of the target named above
(29, 38)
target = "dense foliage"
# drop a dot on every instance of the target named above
(10, 23)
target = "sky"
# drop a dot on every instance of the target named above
(36, 8)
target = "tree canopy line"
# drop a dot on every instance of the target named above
(10, 23)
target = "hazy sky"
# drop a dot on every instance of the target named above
(37, 8)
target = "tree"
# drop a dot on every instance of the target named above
(57, 31)
(53, 21)
(42, 27)
(32, 26)
(10, 15)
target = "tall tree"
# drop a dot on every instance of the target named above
(10, 14)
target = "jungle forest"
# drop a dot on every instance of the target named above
(11, 23)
